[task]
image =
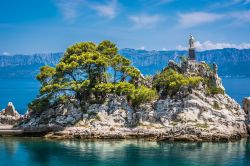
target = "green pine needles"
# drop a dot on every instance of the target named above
(88, 72)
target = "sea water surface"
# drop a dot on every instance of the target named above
(23, 91)
(41, 152)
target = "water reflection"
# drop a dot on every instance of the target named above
(35, 151)
(9, 146)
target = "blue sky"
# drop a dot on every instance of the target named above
(36, 26)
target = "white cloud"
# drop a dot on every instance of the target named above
(142, 48)
(227, 3)
(69, 8)
(6, 53)
(247, 1)
(107, 10)
(197, 18)
(154, 3)
(209, 45)
(243, 16)
(143, 21)
(241, 1)
(181, 47)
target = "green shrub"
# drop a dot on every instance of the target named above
(135, 95)
(120, 88)
(216, 105)
(215, 90)
(142, 95)
(124, 88)
(40, 104)
(98, 117)
(61, 99)
(105, 88)
(170, 81)
(202, 125)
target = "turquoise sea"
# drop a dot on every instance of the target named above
(22, 91)
(41, 152)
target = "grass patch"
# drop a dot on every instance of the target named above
(202, 125)
(98, 118)
(173, 123)
(216, 105)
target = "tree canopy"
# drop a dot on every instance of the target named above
(88, 72)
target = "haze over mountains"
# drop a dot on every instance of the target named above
(232, 62)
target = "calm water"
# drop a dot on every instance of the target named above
(18, 91)
(22, 91)
(39, 152)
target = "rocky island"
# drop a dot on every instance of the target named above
(93, 92)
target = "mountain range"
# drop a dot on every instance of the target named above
(231, 62)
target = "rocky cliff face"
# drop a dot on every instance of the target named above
(199, 117)
(246, 107)
(189, 115)
(53, 119)
(9, 116)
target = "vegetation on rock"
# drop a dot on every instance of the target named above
(170, 81)
(142, 95)
(212, 89)
(215, 90)
(88, 72)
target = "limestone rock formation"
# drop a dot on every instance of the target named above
(193, 118)
(199, 116)
(246, 108)
(9, 116)
(193, 68)
(246, 105)
(53, 119)
(190, 115)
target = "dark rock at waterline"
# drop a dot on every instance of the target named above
(246, 105)
(246, 108)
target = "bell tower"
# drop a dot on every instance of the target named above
(191, 49)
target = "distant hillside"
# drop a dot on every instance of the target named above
(231, 62)
(26, 60)
(26, 66)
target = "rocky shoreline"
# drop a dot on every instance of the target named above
(140, 133)
(142, 125)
